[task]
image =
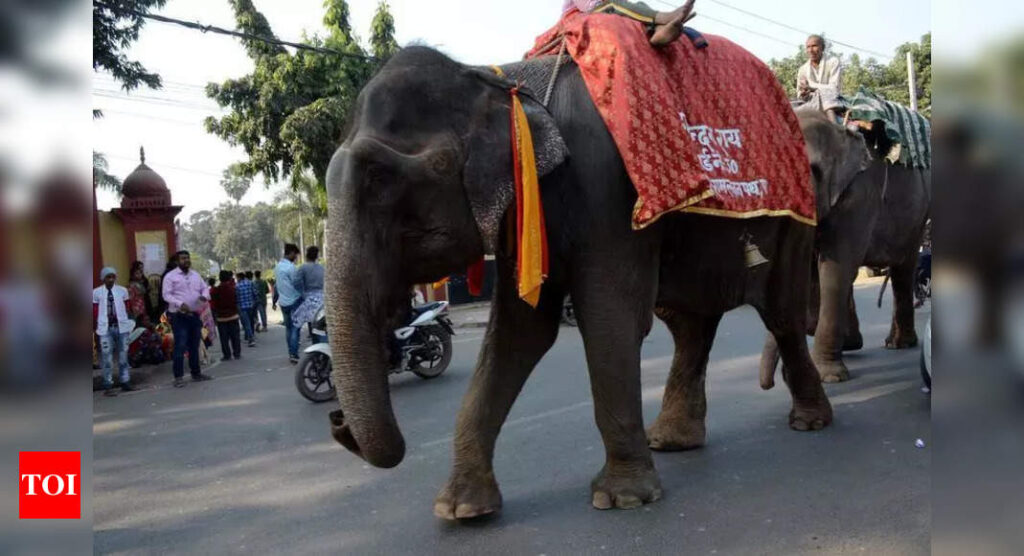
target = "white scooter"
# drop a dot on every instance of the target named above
(424, 346)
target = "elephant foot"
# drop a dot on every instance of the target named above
(468, 495)
(811, 415)
(670, 434)
(853, 342)
(832, 370)
(899, 339)
(625, 486)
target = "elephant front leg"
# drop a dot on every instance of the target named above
(829, 336)
(613, 325)
(680, 425)
(517, 337)
(902, 333)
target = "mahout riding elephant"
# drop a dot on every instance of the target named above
(871, 213)
(420, 188)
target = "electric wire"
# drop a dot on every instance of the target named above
(195, 25)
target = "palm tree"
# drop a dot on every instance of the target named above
(302, 207)
(101, 177)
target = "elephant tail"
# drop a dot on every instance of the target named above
(881, 292)
(769, 362)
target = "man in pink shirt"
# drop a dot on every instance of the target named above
(662, 27)
(185, 293)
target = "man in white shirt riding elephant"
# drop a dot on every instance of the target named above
(820, 79)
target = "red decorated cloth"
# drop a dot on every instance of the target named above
(701, 130)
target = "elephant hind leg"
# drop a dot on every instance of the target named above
(680, 425)
(811, 408)
(902, 334)
(784, 314)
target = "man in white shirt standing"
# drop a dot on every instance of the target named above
(820, 79)
(113, 327)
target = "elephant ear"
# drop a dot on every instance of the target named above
(488, 173)
(854, 158)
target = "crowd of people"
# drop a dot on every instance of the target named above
(182, 315)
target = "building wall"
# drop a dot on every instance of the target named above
(113, 246)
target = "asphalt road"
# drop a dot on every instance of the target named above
(243, 464)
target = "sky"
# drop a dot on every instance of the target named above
(168, 122)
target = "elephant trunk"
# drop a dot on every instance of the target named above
(358, 302)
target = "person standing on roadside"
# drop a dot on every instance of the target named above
(225, 310)
(289, 297)
(262, 289)
(113, 326)
(311, 285)
(246, 302)
(253, 313)
(185, 292)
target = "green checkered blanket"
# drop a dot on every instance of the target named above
(908, 128)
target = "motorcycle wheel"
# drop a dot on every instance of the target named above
(313, 377)
(433, 368)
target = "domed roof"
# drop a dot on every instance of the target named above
(144, 183)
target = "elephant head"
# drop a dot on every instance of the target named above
(417, 190)
(836, 154)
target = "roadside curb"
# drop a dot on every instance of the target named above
(471, 325)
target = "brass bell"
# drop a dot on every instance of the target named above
(752, 255)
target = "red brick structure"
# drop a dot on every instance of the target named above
(145, 212)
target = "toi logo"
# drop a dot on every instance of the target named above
(50, 485)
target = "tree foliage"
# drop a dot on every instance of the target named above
(102, 178)
(113, 31)
(234, 236)
(289, 113)
(302, 212)
(235, 182)
(198, 235)
(889, 80)
(382, 33)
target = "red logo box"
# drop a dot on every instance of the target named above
(49, 485)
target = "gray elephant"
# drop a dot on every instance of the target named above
(421, 187)
(870, 213)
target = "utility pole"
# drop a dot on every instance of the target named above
(302, 239)
(910, 81)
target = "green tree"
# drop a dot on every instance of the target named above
(102, 178)
(233, 236)
(113, 31)
(382, 33)
(786, 69)
(199, 235)
(289, 113)
(235, 182)
(302, 213)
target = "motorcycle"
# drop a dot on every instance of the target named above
(568, 313)
(424, 347)
(923, 278)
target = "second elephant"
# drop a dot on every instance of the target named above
(870, 213)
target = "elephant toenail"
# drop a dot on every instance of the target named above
(602, 501)
(628, 502)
